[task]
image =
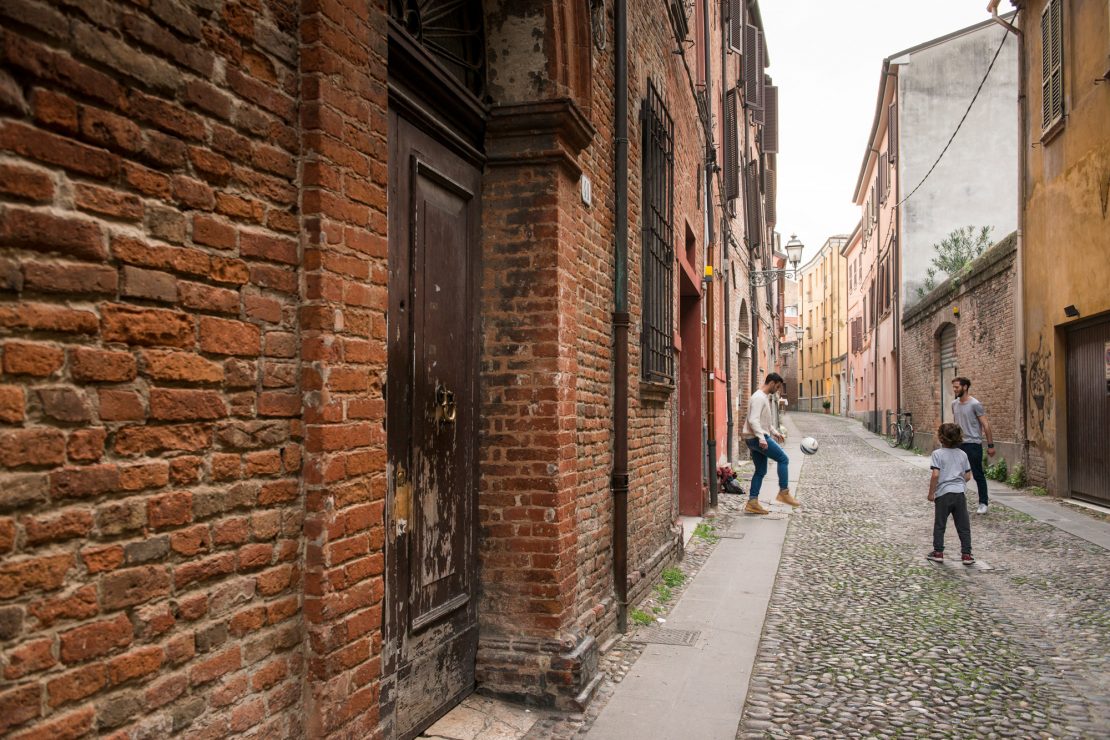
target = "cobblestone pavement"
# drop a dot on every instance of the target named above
(865, 638)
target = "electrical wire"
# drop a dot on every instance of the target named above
(1005, 35)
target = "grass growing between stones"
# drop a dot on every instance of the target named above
(640, 617)
(705, 531)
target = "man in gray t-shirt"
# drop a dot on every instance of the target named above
(972, 419)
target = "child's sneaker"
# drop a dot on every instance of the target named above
(936, 556)
(967, 559)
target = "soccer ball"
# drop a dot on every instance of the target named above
(809, 446)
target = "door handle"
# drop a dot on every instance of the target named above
(446, 410)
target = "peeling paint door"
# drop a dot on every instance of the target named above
(430, 631)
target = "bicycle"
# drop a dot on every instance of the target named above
(900, 434)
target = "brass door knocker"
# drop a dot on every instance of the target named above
(446, 408)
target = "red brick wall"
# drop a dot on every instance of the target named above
(985, 351)
(342, 321)
(150, 507)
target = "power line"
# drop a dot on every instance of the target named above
(1005, 35)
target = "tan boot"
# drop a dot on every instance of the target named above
(784, 497)
(754, 507)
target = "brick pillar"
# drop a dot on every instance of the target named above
(342, 314)
(529, 647)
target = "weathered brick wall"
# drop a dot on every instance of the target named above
(984, 349)
(150, 509)
(343, 332)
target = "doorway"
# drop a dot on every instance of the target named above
(947, 371)
(436, 126)
(691, 464)
(1088, 411)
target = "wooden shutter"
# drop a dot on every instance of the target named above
(884, 177)
(731, 139)
(769, 186)
(735, 10)
(892, 132)
(753, 69)
(752, 213)
(1052, 64)
(771, 123)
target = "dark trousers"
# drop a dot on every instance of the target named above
(956, 505)
(975, 457)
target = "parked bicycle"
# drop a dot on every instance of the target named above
(900, 433)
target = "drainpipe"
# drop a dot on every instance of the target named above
(728, 341)
(710, 168)
(619, 480)
(1019, 256)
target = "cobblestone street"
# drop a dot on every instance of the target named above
(865, 638)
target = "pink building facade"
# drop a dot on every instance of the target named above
(877, 279)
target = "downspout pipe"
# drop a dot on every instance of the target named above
(619, 478)
(710, 248)
(1019, 257)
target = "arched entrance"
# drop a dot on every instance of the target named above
(946, 352)
(435, 146)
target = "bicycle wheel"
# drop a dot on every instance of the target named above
(907, 435)
(893, 436)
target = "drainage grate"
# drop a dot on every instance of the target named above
(662, 636)
(731, 535)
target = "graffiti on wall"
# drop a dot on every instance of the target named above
(1040, 385)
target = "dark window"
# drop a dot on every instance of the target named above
(452, 32)
(1052, 64)
(658, 232)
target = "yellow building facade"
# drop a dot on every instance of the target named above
(1064, 245)
(822, 360)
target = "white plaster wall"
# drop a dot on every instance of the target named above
(975, 183)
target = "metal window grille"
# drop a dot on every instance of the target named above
(658, 236)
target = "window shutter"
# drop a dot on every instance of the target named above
(1052, 64)
(884, 177)
(753, 71)
(732, 146)
(1046, 66)
(771, 124)
(751, 205)
(759, 115)
(769, 187)
(1057, 59)
(735, 9)
(892, 132)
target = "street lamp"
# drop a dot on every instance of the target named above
(794, 249)
(799, 332)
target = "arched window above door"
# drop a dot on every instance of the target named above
(452, 32)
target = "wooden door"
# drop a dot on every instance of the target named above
(430, 629)
(947, 372)
(1088, 397)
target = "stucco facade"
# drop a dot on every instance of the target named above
(822, 287)
(1064, 245)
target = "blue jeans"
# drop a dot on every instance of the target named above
(974, 452)
(760, 456)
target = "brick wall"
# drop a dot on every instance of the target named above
(984, 349)
(150, 507)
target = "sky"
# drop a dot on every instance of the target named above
(826, 58)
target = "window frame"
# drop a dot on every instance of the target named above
(658, 234)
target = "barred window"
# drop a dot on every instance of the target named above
(657, 338)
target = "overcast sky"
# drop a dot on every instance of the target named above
(826, 58)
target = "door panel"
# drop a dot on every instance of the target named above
(1088, 397)
(430, 629)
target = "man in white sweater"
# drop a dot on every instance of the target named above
(763, 441)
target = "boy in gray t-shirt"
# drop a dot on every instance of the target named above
(947, 491)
